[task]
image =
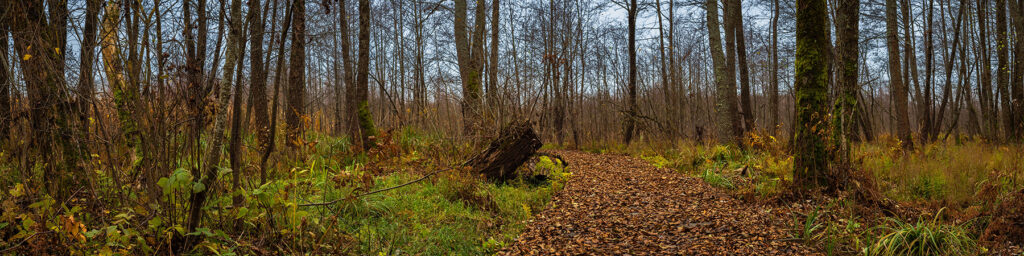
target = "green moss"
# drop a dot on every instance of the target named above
(366, 120)
(811, 95)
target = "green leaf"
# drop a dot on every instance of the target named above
(92, 233)
(198, 187)
(27, 223)
(155, 222)
(163, 184)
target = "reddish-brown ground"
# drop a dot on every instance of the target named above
(620, 205)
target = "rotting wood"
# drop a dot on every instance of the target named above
(516, 143)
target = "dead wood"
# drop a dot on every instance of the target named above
(515, 144)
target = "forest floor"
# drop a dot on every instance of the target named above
(616, 204)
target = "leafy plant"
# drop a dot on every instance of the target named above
(807, 229)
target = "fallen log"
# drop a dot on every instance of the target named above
(515, 144)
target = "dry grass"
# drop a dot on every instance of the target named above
(947, 173)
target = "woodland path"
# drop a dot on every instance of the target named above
(619, 205)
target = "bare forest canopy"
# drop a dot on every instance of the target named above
(565, 64)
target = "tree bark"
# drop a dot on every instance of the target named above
(515, 144)
(86, 85)
(725, 84)
(897, 87)
(666, 88)
(630, 120)
(363, 117)
(212, 157)
(296, 110)
(469, 56)
(5, 71)
(847, 39)
(811, 85)
(492, 75)
(773, 86)
(258, 77)
(1016, 118)
(1003, 67)
(741, 57)
(984, 75)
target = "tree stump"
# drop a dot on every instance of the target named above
(515, 144)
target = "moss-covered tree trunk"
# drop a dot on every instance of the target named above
(124, 95)
(37, 44)
(363, 116)
(810, 160)
(470, 57)
(847, 36)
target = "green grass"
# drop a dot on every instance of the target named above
(924, 238)
(450, 215)
(716, 179)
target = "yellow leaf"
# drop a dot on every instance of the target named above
(27, 56)
(17, 191)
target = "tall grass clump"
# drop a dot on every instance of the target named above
(716, 179)
(924, 238)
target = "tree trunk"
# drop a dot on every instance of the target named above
(984, 75)
(929, 60)
(950, 63)
(911, 73)
(469, 56)
(271, 140)
(492, 76)
(1016, 125)
(212, 157)
(741, 57)
(773, 86)
(630, 120)
(86, 86)
(515, 144)
(725, 99)
(666, 88)
(847, 38)
(810, 158)
(114, 64)
(1002, 66)
(258, 77)
(898, 88)
(296, 110)
(5, 71)
(364, 119)
(36, 43)
(235, 141)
